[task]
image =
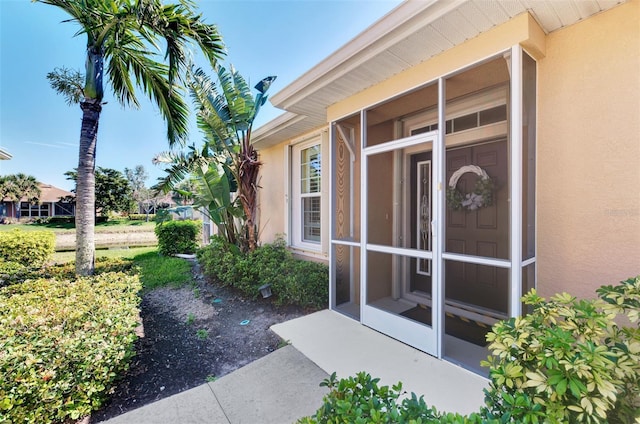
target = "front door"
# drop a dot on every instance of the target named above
(481, 232)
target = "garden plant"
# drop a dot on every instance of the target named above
(568, 361)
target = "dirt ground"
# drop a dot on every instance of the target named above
(193, 335)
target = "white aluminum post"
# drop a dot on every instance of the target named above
(515, 292)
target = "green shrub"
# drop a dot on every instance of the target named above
(141, 217)
(568, 361)
(32, 249)
(13, 272)
(59, 220)
(62, 345)
(293, 281)
(178, 237)
(303, 283)
(103, 265)
(361, 400)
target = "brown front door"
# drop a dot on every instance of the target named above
(482, 232)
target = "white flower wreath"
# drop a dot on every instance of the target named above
(482, 194)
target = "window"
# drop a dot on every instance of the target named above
(306, 205)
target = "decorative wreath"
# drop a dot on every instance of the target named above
(482, 194)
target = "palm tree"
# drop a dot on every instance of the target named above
(225, 115)
(123, 46)
(21, 186)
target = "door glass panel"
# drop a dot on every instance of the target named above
(347, 280)
(385, 273)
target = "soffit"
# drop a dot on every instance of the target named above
(389, 47)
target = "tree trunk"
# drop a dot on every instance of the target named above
(85, 188)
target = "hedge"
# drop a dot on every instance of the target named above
(141, 216)
(62, 345)
(31, 249)
(292, 281)
(178, 237)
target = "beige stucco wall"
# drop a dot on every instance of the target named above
(589, 154)
(271, 195)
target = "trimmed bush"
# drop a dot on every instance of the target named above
(568, 361)
(178, 237)
(361, 400)
(141, 217)
(63, 343)
(13, 272)
(31, 249)
(59, 219)
(293, 281)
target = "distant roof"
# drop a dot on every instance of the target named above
(4, 154)
(49, 193)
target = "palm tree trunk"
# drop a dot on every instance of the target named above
(85, 188)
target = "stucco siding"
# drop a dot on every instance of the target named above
(271, 201)
(588, 176)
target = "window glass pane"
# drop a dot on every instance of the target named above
(465, 122)
(493, 115)
(311, 219)
(310, 169)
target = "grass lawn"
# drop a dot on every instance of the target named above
(154, 270)
(64, 257)
(113, 225)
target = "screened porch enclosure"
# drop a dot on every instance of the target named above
(427, 244)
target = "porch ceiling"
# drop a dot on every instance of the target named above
(389, 46)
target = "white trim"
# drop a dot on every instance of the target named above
(478, 260)
(515, 282)
(392, 145)
(295, 218)
(437, 225)
(342, 242)
(402, 251)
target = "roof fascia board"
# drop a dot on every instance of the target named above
(388, 30)
(522, 29)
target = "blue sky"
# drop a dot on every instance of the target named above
(282, 38)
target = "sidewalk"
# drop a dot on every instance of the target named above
(278, 388)
(283, 386)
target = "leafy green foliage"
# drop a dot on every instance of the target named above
(178, 237)
(361, 400)
(113, 192)
(13, 272)
(141, 217)
(63, 343)
(292, 281)
(227, 161)
(569, 360)
(31, 249)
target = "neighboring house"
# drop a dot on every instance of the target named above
(378, 165)
(49, 204)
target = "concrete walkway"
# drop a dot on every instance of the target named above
(284, 385)
(278, 388)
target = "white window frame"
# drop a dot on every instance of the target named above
(294, 208)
